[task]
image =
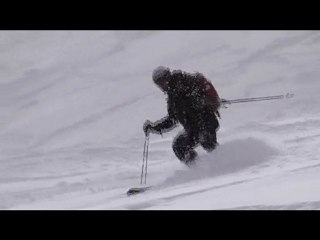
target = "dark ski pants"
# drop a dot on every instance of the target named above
(184, 144)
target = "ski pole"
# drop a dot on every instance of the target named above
(147, 153)
(145, 159)
(244, 100)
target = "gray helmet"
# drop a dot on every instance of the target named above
(161, 76)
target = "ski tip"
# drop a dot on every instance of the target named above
(289, 95)
(134, 191)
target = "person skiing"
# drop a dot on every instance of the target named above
(193, 102)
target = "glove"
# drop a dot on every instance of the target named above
(147, 127)
(224, 102)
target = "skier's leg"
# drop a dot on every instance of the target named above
(208, 137)
(183, 147)
(208, 141)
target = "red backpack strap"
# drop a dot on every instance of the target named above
(211, 94)
(209, 90)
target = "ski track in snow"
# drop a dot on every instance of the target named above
(72, 113)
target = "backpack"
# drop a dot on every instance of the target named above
(210, 93)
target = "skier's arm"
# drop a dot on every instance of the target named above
(163, 125)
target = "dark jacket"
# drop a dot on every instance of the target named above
(192, 101)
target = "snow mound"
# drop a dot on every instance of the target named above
(230, 157)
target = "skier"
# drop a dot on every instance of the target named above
(193, 102)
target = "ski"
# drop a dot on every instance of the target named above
(134, 191)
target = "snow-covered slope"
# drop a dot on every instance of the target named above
(72, 105)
